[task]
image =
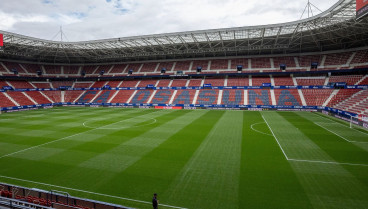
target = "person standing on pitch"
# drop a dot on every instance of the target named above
(155, 201)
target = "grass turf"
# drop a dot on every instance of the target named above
(191, 158)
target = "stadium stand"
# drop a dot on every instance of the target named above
(316, 97)
(149, 67)
(310, 81)
(260, 63)
(52, 69)
(207, 97)
(258, 81)
(71, 70)
(283, 81)
(236, 62)
(232, 97)
(182, 66)
(20, 97)
(123, 96)
(200, 63)
(184, 97)
(287, 97)
(179, 82)
(5, 101)
(337, 59)
(195, 82)
(349, 79)
(219, 64)
(259, 97)
(23, 197)
(167, 65)
(215, 82)
(164, 83)
(238, 81)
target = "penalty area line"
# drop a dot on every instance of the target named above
(327, 162)
(89, 192)
(337, 134)
(327, 117)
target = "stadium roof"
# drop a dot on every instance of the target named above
(334, 29)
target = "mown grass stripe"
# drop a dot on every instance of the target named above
(210, 179)
(328, 185)
(267, 179)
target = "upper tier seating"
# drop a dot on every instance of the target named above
(167, 65)
(337, 59)
(236, 62)
(182, 66)
(288, 61)
(118, 69)
(71, 70)
(149, 67)
(14, 66)
(219, 64)
(52, 69)
(261, 63)
(200, 63)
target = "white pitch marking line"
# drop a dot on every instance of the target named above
(88, 192)
(153, 119)
(258, 130)
(57, 140)
(339, 123)
(276, 139)
(326, 162)
(338, 134)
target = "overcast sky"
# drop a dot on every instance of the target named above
(99, 19)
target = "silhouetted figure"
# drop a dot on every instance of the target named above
(155, 201)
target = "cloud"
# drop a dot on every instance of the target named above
(101, 19)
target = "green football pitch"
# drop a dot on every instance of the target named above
(198, 159)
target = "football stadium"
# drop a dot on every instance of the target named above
(266, 116)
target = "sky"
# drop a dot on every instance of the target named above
(84, 20)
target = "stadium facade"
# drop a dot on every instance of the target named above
(273, 66)
(315, 64)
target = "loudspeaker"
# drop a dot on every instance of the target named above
(163, 70)
(239, 67)
(15, 71)
(83, 73)
(314, 65)
(199, 69)
(130, 71)
(39, 72)
(102, 72)
(282, 67)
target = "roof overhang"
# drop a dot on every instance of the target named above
(333, 29)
